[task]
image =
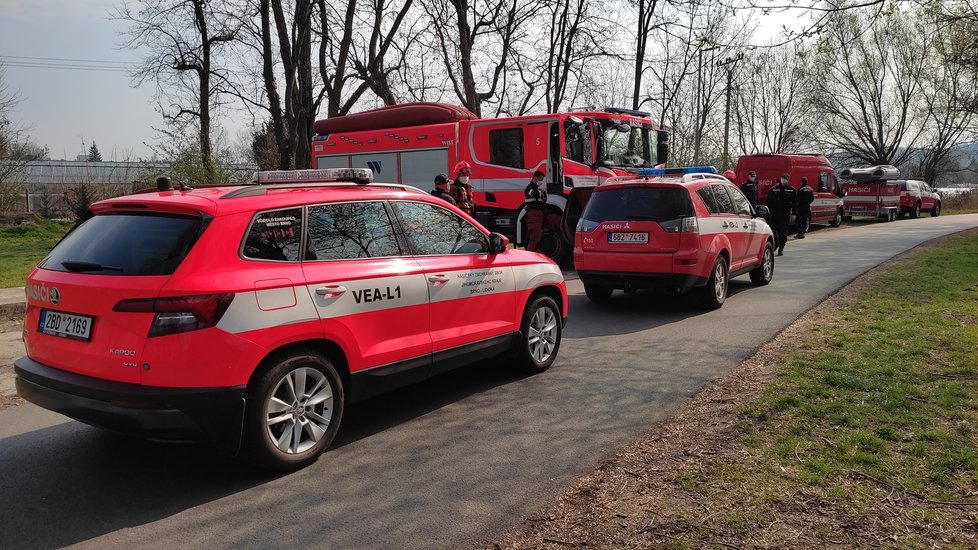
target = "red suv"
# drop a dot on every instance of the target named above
(678, 228)
(249, 316)
(917, 196)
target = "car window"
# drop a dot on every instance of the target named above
(724, 201)
(741, 204)
(823, 181)
(639, 203)
(706, 194)
(432, 230)
(274, 235)
(348, 230)
(126, 244)
(903, 185)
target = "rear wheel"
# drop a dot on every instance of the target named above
(539, 335)
(293, 412)
(598, 293)
(936, 211)
(762, 274)
(837, 219)
(915, 213)
(715, 292)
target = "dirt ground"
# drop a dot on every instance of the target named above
(11, 347)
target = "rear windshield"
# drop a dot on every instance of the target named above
(126, 244)
(638, 203)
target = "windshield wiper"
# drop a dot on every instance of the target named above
(645, 218)
(80, 267)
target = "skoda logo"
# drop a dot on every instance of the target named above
(54, 296)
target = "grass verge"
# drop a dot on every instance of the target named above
(855, 428)
(22, 246)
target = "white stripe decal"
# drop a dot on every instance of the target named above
(467, 283)
(365, 295)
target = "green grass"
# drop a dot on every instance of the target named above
(22, 246)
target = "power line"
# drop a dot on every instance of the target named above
(67, 67)
(66, 59)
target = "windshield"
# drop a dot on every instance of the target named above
(630, 149)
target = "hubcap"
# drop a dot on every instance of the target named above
(542, 337)
(299, 410)
(721, 282)
(768, 263)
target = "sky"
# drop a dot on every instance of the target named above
(67, 108)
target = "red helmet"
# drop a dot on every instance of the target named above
(730, 175)
(462, 165)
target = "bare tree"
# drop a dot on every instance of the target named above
(866, 89)
(16, 149)
(184, 39)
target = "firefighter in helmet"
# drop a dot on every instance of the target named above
(461, 190)
(730, 175)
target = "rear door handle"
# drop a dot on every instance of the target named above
(438, 279)
(331, 291)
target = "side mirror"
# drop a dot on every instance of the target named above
(498, 243)
(763, 212)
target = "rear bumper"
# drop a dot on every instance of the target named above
(210, 415)
(622, 279)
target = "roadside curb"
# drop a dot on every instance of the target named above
(12, 302)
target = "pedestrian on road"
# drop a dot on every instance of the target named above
(443, 189)
(782, 199)
(534, 199)
(461, 190)
(806, 196)
(749, 187)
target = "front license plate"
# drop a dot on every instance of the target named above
(66, 325)
(640, 238)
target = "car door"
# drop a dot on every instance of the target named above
(746, 225)
(730, 224)
(472, 293)
(371, 296)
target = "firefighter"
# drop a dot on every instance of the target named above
(730, 175)
(782, 199)
(461, 190)
(442, 189)
(749, 187)
(534, 199)
(806, 196)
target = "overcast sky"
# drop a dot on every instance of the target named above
(70, 107)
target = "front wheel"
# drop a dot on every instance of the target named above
(936, 211)
(539, 336)
(837, 219)
(715, 292)
(762, 274)
(293, 412)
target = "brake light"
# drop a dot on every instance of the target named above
(179, 314)
(681, 225)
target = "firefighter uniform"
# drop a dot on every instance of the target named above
(749, 187)
(782, 199)
(806, 196)
(534, 198)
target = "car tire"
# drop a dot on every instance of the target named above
(837, 219)
(901, 214)
(539, 338)
(936, 211)
(915, 213)
(762, 274)
(715, 292)
(286, 429)
(598, 293)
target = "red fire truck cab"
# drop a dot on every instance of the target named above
(827, 206)
(412, 143)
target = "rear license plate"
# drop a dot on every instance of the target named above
(640, 238)
(66, 325)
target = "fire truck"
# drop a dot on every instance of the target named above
(413, 142)
(871, 192)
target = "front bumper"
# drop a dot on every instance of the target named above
(210, 415)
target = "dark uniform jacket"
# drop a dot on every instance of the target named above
(443, 195)
(462, 193)
(806, 196)
(782, 200)
(750, 191)
(534, 196)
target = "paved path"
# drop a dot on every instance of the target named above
(443, 464)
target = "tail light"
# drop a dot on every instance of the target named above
(681, 225)
(179, 314)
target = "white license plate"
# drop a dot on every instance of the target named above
(628, 237)
(66, 325)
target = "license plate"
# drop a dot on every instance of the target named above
(66, 325)
(628, 237)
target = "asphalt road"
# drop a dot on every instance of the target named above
(443, 464)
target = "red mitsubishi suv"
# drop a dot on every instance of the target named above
(683, 229)
(249, 316)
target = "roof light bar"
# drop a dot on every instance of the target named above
(646, 172)
(315, 175)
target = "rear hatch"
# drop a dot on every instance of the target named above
(634, 218)
(70, 322)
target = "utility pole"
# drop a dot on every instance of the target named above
(697, 127)
(729, 64)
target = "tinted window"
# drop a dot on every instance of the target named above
(724, 201)
(741, 205)
(434, 230)
(343, 231)
(126, 244)
(709, 200)
(274, 235)
(638, 203)
(903, 185)
(578, 140)
(506, 147)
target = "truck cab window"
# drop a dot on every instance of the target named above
(577, 137)
(823, 181)
(506, 147)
